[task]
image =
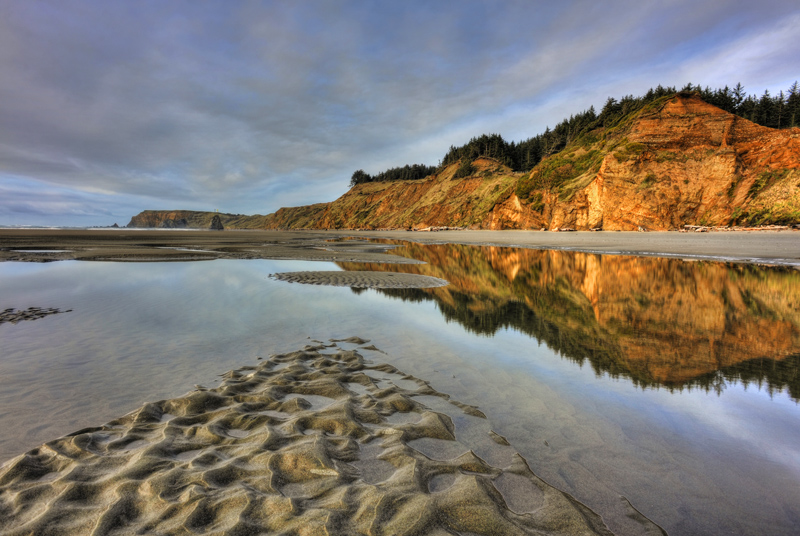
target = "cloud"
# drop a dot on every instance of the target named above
(217, 103)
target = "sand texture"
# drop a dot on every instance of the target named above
(366, 279)
(317, 441)
(126, 245)
(15, 316)
(47, 245)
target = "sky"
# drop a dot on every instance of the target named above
(108, 108)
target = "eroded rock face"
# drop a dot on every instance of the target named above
(678, 162)
(174, 223)
(163, 218)
(692, 163)
(685, 162)
(484, 200)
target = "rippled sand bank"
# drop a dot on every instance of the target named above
(317, 441)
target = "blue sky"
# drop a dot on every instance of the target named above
(108, 108)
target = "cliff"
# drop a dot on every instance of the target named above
(677, 161)
(190, 219)
(437, 200)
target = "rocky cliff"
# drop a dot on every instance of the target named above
(678, 161)
(439, 200)
(190, 219)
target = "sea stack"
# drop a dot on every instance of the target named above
(216, 223)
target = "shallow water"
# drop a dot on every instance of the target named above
(671, 383)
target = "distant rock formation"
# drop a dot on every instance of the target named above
(174, 224)
(193, 219)
(216, 223)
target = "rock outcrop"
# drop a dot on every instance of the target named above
(686, 162)
(193, 219)
(169, 223)
(216, 223)
(439, 200)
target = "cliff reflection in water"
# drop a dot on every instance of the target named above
(659, 322)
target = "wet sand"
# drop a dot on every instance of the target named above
(367, 279)
(317, 441)
(129, 245)
(767, 247)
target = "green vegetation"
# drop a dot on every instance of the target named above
(558, 170)
(465, 169)
(563, 160)
(649, 180)
(764, 180)
(405, 173)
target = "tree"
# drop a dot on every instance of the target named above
(765, 110)
(359, 177)
(793, 106)
(780, 108)
(738, 97)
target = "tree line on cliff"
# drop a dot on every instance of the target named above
(774, 111)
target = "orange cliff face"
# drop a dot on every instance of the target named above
(484, 200)
(679, 162)
(689, 163)
(659, 321)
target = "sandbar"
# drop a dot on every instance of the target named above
(132, 245)
(316, 441)
(365, 279)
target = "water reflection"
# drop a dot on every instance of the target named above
(660, 322)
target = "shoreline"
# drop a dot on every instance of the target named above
(45, 245)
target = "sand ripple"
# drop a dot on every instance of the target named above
(362, 279)
(317, 441)
(15, 316)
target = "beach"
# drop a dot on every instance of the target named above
(130, 245)
(341, 436)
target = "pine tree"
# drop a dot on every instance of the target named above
(738, 98)
(793, 106)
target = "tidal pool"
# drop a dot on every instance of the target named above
(666, 384)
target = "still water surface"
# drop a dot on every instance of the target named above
(672, 384)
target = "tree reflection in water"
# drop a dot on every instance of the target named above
(660, 322)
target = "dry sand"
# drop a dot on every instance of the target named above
(43, 245)
(318, 441)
